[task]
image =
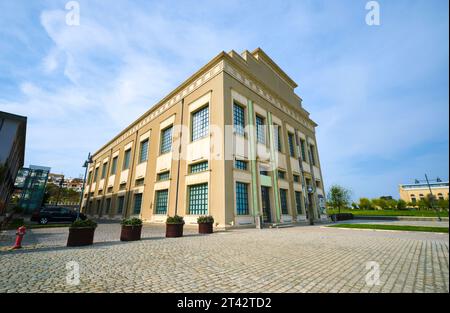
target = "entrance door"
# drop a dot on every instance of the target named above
(267, 217)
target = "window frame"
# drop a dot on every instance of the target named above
(240, 199)
(166, 147)
(239, 129)
(203, 130)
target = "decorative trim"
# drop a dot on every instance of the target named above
(238, 75)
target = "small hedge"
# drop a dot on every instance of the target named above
(205, 219)
(84, 223)
(131, 222)
(341, 216)
(15, 223)
(175, 220)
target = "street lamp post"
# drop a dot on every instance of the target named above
(85, 165)
(432, 198)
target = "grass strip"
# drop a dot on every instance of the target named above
(394, 227)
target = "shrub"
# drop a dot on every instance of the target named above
(131, 221)
(85, 223)
(205, 219)
(175, 220)
(365, 204)
(401, 204)
(16, 223)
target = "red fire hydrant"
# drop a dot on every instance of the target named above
(19, 236)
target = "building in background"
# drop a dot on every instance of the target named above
(417, 191)
(31, 184)
(12, 153)
(151, 169)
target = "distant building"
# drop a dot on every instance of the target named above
(12, 153)
(386, 197)
(31, 182)
(417, 191)
(75, 184)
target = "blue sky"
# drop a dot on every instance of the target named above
(379, 93)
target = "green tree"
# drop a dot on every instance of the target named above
(338, 197)
(401, 204)
(365, 204)
(391, 204)
(443, 204)
(380, 204)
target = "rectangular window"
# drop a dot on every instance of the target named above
(291, 145)
(281, 174)
(166, 140)
(263, 171)
(161, 201)
(298, 202)
(198, 199)
(95, 174)
(126, 159)
(241, 198)
(104, 170)
(296, 178)
(303, 147)
(137, 203)
(239, 119)
(120, 202)
(164, 175)
(313, 154)
(89, 177)
(198, 167)
(143, 153)
(139, 182)
(122, 186)
(107, 205)
(277, 135)
(114, 166)
(200, 123)
(283, 200)
(241, 165)
(260, 134)
(318, 184)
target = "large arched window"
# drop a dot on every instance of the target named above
(440, 196)
(413, 198)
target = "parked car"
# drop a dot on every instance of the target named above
(55, 214)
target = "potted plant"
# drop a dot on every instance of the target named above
(81, 233)
(131, 229)
(174, 226)
(205, 224)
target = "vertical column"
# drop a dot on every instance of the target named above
(252, 157)
(276, 191)
(315, 199)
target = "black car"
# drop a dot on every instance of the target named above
(55, 214)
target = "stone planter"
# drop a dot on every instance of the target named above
(130, 232)
(80, 236)
(174, 230)
(205, 228)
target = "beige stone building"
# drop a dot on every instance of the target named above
(415, 192)
(232, 141)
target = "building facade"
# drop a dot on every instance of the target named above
(12, 153)
(232, 141)
(417, 191)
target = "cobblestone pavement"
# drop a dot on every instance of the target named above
(295, 259)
